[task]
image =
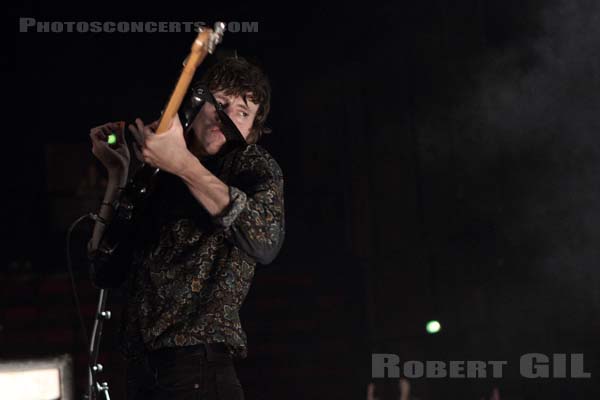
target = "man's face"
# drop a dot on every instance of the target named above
(206, 128)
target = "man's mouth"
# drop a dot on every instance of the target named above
(216, 130)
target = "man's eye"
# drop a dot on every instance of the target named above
(244, 114)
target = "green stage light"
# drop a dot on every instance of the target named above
(433, 327)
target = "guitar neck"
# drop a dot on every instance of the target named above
(203, 45)
(179, 92)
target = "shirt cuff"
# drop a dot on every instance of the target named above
(237, 203)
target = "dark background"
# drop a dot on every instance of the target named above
(441, 162)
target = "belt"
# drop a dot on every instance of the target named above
(206, 350)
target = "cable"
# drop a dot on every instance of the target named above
(72, 276)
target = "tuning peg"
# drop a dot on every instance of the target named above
(217, 36)
(199, 28)
(219, 28)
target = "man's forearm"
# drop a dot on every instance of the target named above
(209, 190)
(253, 219)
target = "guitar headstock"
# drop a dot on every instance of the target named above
(206, 41)
(216, 36)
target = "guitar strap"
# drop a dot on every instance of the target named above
(197, 97)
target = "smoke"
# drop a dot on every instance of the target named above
(551, 83)
(540, 109)
(525, 221)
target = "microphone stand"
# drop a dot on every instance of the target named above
(94, 388)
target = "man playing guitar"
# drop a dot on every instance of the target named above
(189, 262)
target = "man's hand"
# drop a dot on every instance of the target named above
(167, 151)
(115, 159)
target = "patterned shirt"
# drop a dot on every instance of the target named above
(190, 272)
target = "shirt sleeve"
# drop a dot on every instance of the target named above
(254, 218)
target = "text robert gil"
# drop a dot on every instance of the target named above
(531, 365)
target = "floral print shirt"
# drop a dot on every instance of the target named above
(190, 272)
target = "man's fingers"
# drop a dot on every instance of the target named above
(138, 152)
(143, 129)
(114, 126)
(120, 129)
(117, 129)
(97, 135)
(137, 135)
(176, 121)
(148, 131)
(100, 126)
(139, 124)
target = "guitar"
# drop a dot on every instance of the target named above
(141, 185)
(129, 205)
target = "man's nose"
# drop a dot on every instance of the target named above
(214, 115)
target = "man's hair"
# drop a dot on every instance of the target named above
(238, 77)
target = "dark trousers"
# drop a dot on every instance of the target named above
(202, 372)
